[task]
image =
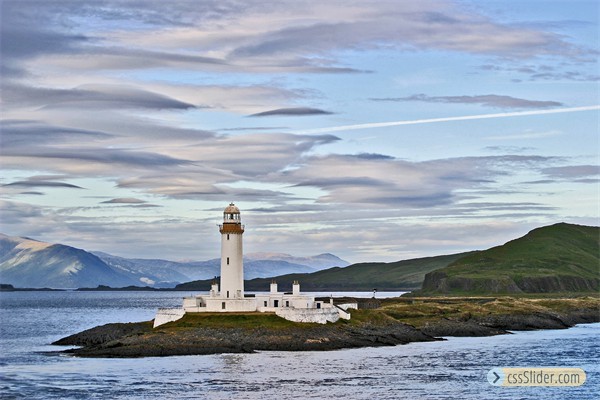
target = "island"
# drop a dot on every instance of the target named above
(547, 279)
(384, 322)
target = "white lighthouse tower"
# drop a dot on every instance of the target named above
(232, 263)
(292, 306)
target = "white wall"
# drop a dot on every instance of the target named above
(215, 304)
(319, 316)
(284, 300)
(232, 274)
(347, 306)
(164, 315)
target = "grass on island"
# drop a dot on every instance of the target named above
(420, 311)
(413, 311)
(248, 320)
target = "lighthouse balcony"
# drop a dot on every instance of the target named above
(231, 228)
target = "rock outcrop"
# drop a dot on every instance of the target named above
(398, 321)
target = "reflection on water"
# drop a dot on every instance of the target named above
(451, 369)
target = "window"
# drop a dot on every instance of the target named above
(223, 305)
(287, 303)
(228, 236)
(266, 303)
(227, 260)
(275, 303)
(318, 305)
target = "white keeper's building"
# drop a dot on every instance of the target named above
(230, 296)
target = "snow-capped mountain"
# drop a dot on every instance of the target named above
(29, 263)
(26, 262)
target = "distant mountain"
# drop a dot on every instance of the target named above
(29, 263)
(318, 262)
(400, 275)
(156, 273)
(26, 262)
(264, 268)
(552, 259)
(176, 272)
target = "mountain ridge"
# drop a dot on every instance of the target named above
(26, 262)
(398, 275)
(556, 258)
(30, 263)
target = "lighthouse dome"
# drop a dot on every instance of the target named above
(231, 209)
(231, 214)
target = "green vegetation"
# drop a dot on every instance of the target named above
(419, 312)
(552, 259)
(231, 320)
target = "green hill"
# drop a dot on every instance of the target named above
(553, 259)
(400, 275)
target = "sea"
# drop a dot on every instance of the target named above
(457, 368)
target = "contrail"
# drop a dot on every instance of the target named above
(447, 119)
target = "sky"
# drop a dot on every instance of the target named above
(373, 130)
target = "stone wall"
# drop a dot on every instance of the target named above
(315, 315)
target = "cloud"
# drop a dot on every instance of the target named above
(300, 36)
(21, 214)
(258, 154)
(228, 159)
(489, 100)
(42, 183)
(124, 200)
(34, 133)
(130, 202)
(34, 193)
(108, 157)
(397, 183)
(28, 41)
(409, 25)
(295, 112)
(537, 72)
(90, 96)
(373, 156)
(170, 161)
(570, 172)
(256, 128)
(509, 149)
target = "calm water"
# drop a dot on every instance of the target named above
(453, 369)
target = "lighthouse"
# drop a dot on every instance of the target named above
(292, 306)
(232, 263)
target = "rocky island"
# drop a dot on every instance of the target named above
(394, 321)
(547, 279)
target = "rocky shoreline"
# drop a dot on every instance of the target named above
(397, 321)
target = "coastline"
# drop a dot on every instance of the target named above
(396, 321)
